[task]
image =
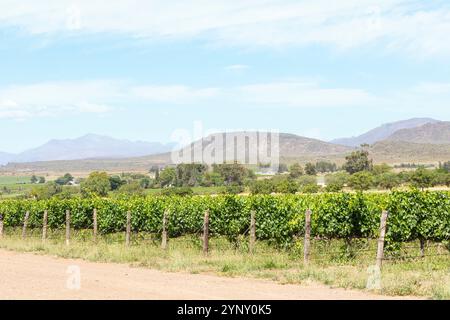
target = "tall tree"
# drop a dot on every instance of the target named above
(97, 183)
(168, 177)
(282, 168)
(190, 174)
(422, 178)
(65, 179)
(233, 173)
(295, 170)
(358, 161)
(155, 171)
(310, 169)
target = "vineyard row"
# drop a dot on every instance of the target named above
(413, 215)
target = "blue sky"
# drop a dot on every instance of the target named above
(140, 69)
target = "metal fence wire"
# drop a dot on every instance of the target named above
(315, 249)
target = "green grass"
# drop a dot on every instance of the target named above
(427, 277)
(11, 180)
(152, 191)
(13, 186)
(207, 190)
(15, 189)
(196, 190)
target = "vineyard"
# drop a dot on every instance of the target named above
(413, 215)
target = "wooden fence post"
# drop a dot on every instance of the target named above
(206, 233)
(307, 242)
(25, 224)
(95, 224)
(422, 248)
(380, 250)
(128, 234)
(44, 226)
(252, 231)
(164, 231)
(67, 227)
(1, 226)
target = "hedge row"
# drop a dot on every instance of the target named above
(412, 215)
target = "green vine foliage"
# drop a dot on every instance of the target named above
(417, 215)
(413, 215)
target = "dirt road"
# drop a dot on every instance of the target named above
(30, 276)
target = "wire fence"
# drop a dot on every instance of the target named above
(315, 249)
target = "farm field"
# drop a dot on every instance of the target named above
(343, 249)
(14, 186)
(9, 180)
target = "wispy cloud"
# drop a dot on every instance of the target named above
(106, 96)
(303, 95)
(412, 26)
(423, 98)
(298, 94)
(237, 67)
(50, 98)
(433, 88)
(176, 94)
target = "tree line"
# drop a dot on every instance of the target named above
(357, 173)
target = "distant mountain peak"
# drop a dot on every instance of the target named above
(89, 146)
(93, 136)
(290, 146)
(429, 133)
(383, 132)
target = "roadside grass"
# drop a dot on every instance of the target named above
(330, 264)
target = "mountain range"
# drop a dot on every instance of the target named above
(6, 157)
(383, 132)
(86, 147)
(415, 140)
(430, 133)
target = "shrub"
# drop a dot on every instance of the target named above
(181, 191)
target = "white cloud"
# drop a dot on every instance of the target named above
(433, 88)
(303, 95)
(298, 94)
(98, 96)
(14, 114)
(417, 27)
(73, 18)
(424, 98)
(91, 107)
(7, 104)
(49, 99)
(105, 96)
(177, 94)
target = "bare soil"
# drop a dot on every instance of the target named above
(33, 276)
